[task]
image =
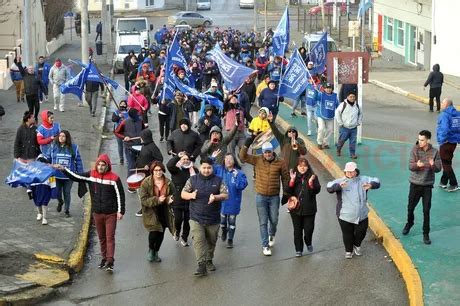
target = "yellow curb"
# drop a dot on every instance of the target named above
(382, 232)
(418, 98)
(51, 258)
(451, 84)
(45, 275)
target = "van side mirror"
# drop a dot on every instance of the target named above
(151, 27)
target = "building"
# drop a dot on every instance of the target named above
(129, 5)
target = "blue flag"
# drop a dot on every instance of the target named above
(280, 41)
(318, 54)
(364, 5)
(233, 73)
(94, 75)
(190, 91)
(76, 84)
(295, 79)
(24, 174)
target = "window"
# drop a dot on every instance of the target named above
(389, 31)
(149, 2)
(400, 33)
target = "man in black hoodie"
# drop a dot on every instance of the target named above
(32, 84)
(184, 139)
(435, 80)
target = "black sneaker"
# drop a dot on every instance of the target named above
(59, 207)
(109, 267)
(67, 214)
(293, 115)
(426, 239)
(224, 234)
(230, 244)
(122, 162)
(201, 270)
(161, 139)
(406, 229)
(210, 266)
(102, 264)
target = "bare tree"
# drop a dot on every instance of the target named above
(54, 16)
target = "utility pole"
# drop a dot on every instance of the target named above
(105, 23)
(109, 23)
(255, 16)
(84, 31)
(27, 38)
(323, 20)
(265, 17)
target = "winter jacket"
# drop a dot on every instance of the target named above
(288, 154)
(15, 74)
(260, 87)
(269, 98)
(31, 82)
(448, 129)
(435, 78)
(65, 156)
(258, 125)
(261, 64)
(45, 131)
(204, 129)
(424, 176)
(305, 193)
(250, 90)
(268, 173)
(149, 152)
(352, 199)
(118, 117)
(139, 102)
(210, 145)
(58, 76)
(348, 115)
(156, 215)
(131, 128)
(326, 105)
(230, 117)
(176, 113)
(235, 185)
(106, 190)
(188, 141)
(92, 86)
(25, 143)
(42, 71)
(179, 177)
(274, 69)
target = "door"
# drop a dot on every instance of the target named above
(412, 44)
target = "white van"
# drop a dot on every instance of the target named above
(311, 39)
(135, 25)
(203, 4)
(126, 42)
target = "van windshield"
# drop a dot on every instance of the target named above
(203, 1)
(132, 25)
(331, 47)
(126, 48)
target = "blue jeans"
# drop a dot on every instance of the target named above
(311, 116)
(300, 100)
(120, 148)
(350, 135)
(268, 211)
(64, 187)
(131, 160)
(228, 222)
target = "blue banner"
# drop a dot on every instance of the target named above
(24, 174)
(76, 84)
(318, 54)
(280, 41)
(364, 5)
(95, 75)
(295, 79)
(190, 91)
(233, 73)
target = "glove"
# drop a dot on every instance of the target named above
(248, 142)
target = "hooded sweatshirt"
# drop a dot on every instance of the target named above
(435, 78)
(211, 144)
(188, 141)
(139, 102)
(149, 152)
(348, 115)
(448, 126)
(287, 153)
(106, 189)
(45, 131)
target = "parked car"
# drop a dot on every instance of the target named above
(203, 4)
(246, 3)
(193, 19)
(328, 9)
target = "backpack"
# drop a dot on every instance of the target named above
(345, 105)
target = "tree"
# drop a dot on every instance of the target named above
(54, 16)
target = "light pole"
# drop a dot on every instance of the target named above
(27, 39)
(84, 31)
(265, 17)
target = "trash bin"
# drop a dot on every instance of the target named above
(99, 47)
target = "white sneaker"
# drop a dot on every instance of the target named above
(348, 255)
(39, 217)
(267, 251)
(55, 107)
(309, 133)
(357, 250)
(44, 221)
(271, 241)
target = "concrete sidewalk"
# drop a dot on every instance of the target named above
(35, 258)
(434, 280)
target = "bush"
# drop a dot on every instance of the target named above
(54, 16)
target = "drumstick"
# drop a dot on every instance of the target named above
(137, 169)
(132, 138)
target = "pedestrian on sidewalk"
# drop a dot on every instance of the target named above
(205, 192)
(270, 170)
(349, 117)
(91, 95)
(32, 85)
(448, 135)
(303, 188)
(99, 31)
(58, 75)
(156, 195)
(65, 153)
(435, 80)
(42, 71)
(26, 146)
(107, 204)
(118, 116)
(424, 162)
(235, 180)
(181, 169)
(47, 131)
(352, 210)
(18, 82)
(325, 112)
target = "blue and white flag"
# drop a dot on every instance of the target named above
(95, 75)
(318, 54)
(364, 5)
(295, 79)
(233, 73)
(280, 40)
(76, 84)
(190, 91)
(25, 174)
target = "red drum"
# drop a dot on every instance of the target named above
(134, 181)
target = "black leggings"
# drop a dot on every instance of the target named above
(164, 126)
(435, 93)
(182, 216)
(353, 234)
(155, 240)
(303, 226)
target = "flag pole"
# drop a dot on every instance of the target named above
(105, 82)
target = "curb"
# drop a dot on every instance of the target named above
(381, 231)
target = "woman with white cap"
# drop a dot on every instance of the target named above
(352, 210)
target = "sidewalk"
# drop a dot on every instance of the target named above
(34, 258)
(437, 264)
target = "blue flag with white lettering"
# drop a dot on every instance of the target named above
(25, 174)
(295, 79)
(95, 75)
(318, 54)
(233, 73)
(76, 84)
(190, 91)
(280, 40)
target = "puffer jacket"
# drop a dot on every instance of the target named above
(352, 199)
(288, 154)
(435, 78)
(448, 130)
(156, 215)
(268, 173)
(25, 143)
(424, 176)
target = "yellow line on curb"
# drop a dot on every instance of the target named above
(390, 243)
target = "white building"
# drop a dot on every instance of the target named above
(128, 5)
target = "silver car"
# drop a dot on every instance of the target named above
(193, 19)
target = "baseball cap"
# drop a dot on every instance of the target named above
(265, 109)
(267, 146)
(350, 167)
